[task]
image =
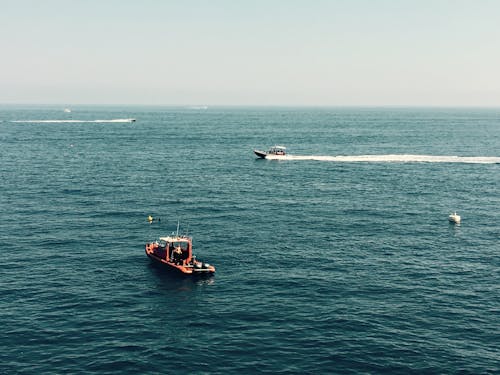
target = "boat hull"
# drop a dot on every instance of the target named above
(179, 269)
(260, 154)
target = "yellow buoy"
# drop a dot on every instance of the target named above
(150, 218)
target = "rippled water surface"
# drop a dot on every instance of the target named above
(338, 260)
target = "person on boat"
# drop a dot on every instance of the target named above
(177, 255)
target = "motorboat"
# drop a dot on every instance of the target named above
(454, 218)
(275, 152)
(175, 252)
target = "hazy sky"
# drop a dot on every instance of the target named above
(239, 52)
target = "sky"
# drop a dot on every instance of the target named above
(251, 52)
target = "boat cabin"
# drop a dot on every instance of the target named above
(277, 150)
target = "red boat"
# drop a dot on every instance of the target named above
(176, 253)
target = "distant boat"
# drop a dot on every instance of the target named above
(67, 110)
(454, 218)
(275, 152)
(114, 120)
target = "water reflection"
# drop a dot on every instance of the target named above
(170, 281)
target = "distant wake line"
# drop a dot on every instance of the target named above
(396, 159)
(76, 121)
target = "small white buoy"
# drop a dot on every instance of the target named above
(454, 218)
(150, 219)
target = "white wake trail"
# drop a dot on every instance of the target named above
(121, 120)
(395, 159)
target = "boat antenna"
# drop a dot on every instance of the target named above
(177, 228)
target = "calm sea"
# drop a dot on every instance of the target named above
(325, 264)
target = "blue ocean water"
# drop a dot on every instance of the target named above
(323, 265)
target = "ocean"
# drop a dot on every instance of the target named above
(340, 260)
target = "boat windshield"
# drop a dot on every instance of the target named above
(278, 150)
(182, 244)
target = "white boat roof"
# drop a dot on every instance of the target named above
(282, 147)
(175, 239)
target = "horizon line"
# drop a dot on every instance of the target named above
(207, 106)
